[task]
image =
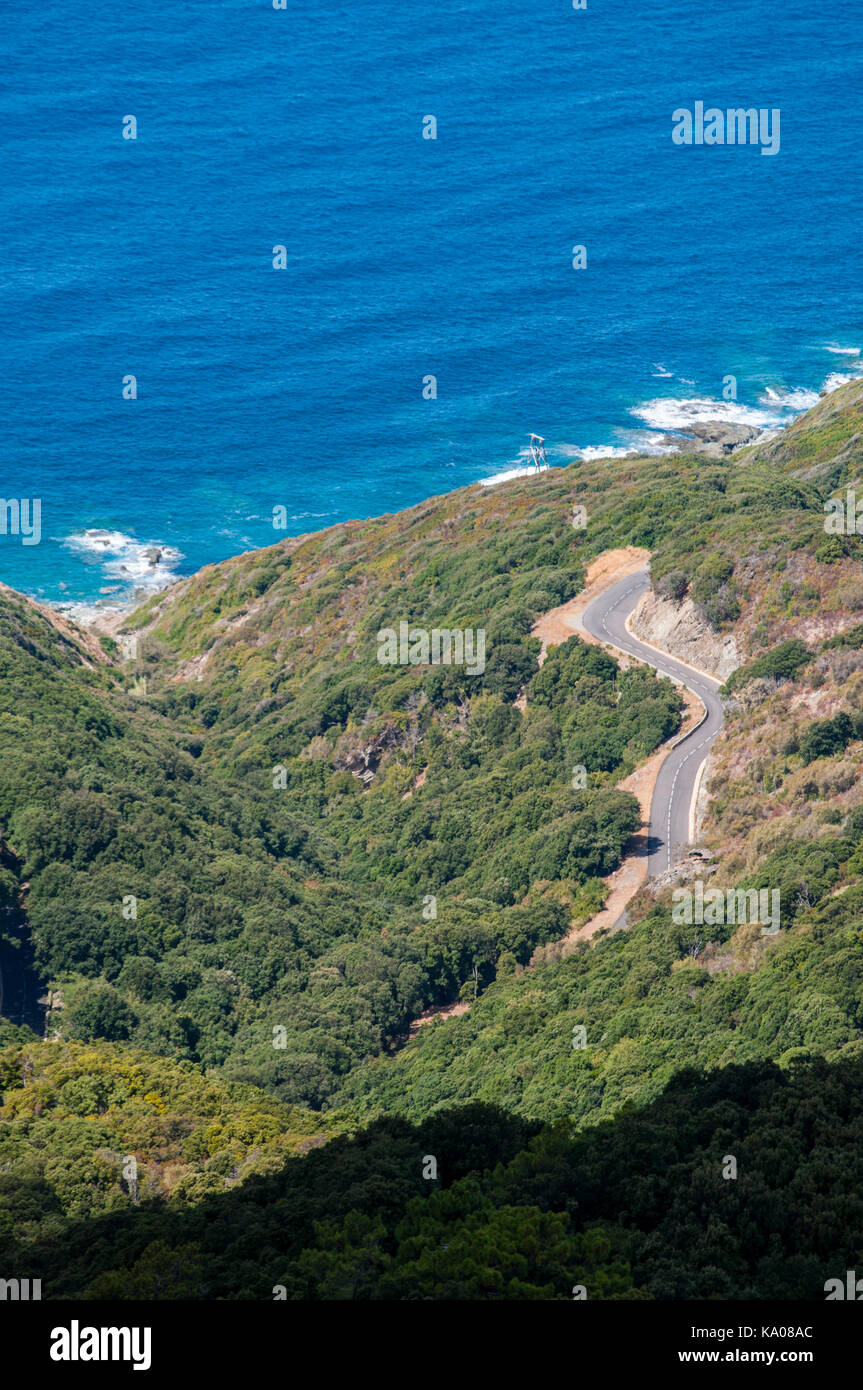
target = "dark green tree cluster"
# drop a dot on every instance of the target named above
(826, 737)
(736, 1184)
(781, 663)
(279, 926)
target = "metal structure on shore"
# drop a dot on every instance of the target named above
(538, 456)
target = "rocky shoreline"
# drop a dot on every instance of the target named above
(714, 438)
(711, 438)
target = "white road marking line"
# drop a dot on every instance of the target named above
(695, 688)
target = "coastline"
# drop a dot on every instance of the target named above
(667, 425)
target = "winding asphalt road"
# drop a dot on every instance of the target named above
(668, 835)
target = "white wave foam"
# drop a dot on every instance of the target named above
(85, 614)
(796, 400)
(507, 475)
(837, 379)
(842, 351)
(140, 566)
(98, 542)
(605, 451)
(776, 408)
(640, 442)
(674, 413)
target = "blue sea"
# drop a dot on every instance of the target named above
(405, 258)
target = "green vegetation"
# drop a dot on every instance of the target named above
(248, 861)
(644, 1206)
(73, 1116)
(652, 1000)
(780, 664)
(193, 906)
(852, 637)
(826, 737)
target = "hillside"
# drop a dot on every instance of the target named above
(645, 1206)
(203, 866)
(248, 858)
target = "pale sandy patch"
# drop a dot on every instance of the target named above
(553, 628)
(107, 624)
(558, 625)
(445, 1011)
(631, 873)
(419, 781)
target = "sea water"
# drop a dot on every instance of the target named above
(406, 258)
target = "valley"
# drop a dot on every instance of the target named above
(282, 807)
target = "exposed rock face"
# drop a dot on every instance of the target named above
(361, 755)
(679, 629)
(696, 865)
(702, 804)
(715, 438)
(727, 436)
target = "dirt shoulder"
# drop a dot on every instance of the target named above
(440, 1011)
(560, 623)
(631, 873)
(555, 627)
